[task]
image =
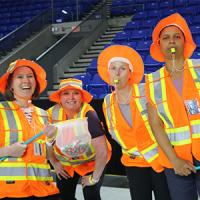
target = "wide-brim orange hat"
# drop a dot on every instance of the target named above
(120, 53)
(40, 73)
(172, 20)
(67, 84)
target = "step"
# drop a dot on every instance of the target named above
(85, 60)
(100, 43)
(104, 39)
(91, 51)
(96, 47)
(77, 64)
(76, 68)
(89, 56)
(107, 36)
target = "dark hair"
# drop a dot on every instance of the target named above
(170, 26)
(9, 93)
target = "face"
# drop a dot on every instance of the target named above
(120, 71)
(71, 100)
(23, 83)
(170, 37)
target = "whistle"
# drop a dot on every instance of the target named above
(173, 50)
(116, 81)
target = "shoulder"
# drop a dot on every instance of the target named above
(40, 111)
(194, 62)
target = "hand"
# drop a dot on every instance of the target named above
(50, 131)
(183, 167)
(60, 170)
(87, 181)
(16, 150)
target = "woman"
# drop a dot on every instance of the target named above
(72, 102)
(173, 93)
(24, 173)
(125, 112)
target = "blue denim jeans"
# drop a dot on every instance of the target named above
(183, 187)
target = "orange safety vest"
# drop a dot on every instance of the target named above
(181, 128)
(86, 162)
(30, 174)
(137, 142)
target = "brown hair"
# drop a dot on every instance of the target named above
(9, 93)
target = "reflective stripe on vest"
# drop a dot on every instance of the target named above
(159, 97)
(57, 115)
(150, 153)
(12, 125)
(42, 115)
(177, 136)
(24, 171)
(194, 67)
(13, 133)
(111, 123)
(57, 112)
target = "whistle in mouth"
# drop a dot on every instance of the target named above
(116, 81)
(172, 50)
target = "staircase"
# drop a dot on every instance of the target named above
(80, 66)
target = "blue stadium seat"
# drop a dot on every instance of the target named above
(154, 14)
(151, 65)
(196, 55)
(151, 6)
(140, 16)
(121, 37)
(143, 45)
(195, 29)
(180, 3)
(166, 4)
(132, 25)
(138, 35)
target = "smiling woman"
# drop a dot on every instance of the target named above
(72, 108)
(25, 172)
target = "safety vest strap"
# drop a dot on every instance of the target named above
(111, 120)
(22, 171)
(179, 136)
(150, 153)
(194, 67)
(157, 86)
(42, 115)
(195, 127)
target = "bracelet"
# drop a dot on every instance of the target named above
(93, 181)
(50, 143)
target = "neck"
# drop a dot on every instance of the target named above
(71, 113)
(175, 65)
(24, 103)
(123, 95)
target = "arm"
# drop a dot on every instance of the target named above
(100, 147)
(56, 164)
(14, 150)
(180, 166)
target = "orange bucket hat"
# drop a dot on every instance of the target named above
(172, 20)
(70, 83)
(38, 70)
(120, 53)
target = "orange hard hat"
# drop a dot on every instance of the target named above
(121, 53)
(172, 20)
(67, 84)
(40, 73)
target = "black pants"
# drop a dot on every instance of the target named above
(67, 188)
(144, 180)
(52, 197)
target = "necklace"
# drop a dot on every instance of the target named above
(121, 99)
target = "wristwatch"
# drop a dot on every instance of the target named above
(92, 180)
